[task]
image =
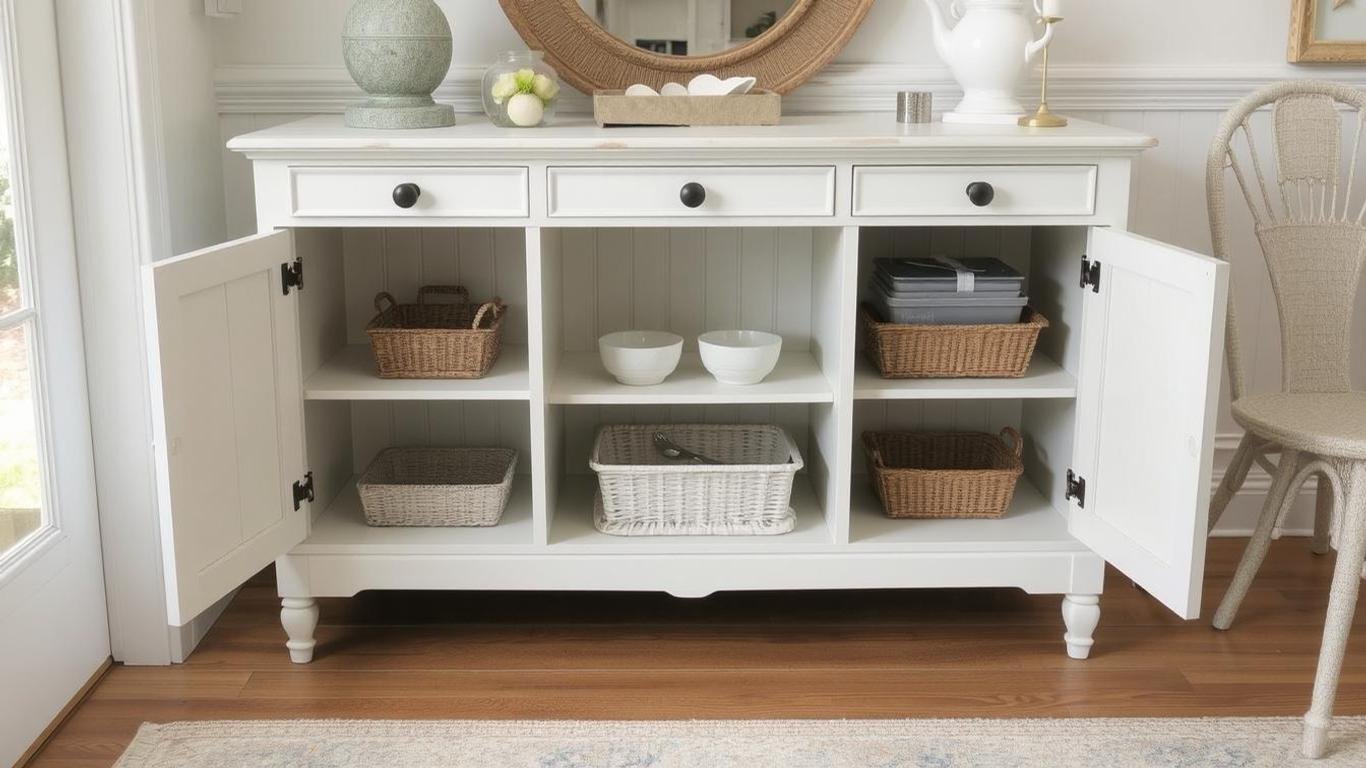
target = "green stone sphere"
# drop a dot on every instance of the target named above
(398, 52)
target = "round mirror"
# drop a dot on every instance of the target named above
(611, 44)
(687, 27)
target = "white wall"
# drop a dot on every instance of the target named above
(1164, 67)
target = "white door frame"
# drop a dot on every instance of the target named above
(115, 136)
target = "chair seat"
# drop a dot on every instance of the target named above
(1327, 424)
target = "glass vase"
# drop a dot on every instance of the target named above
(521, 90)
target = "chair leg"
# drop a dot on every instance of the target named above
(1323, 513)
(1234, 477)
(1341, 608)
(1260, 542)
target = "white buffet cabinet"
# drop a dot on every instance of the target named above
(270, 406)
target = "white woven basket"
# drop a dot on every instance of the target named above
(437, 487)
(642, 493)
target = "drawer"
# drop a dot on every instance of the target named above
(688, 192)
(943, 190)
(441, 192)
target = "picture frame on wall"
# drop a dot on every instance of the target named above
(1327, 32)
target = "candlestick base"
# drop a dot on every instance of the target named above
(1043, 119)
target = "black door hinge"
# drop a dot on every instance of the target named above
(1076, 488)
(303, 491)
(1090, 274)
(292, 275)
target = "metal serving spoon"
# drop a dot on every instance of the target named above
(672, 450)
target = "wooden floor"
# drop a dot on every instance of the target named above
(993, 653)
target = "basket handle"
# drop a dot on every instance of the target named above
(1013, 440)
(443, 290)
(496, 306)
(381, 299)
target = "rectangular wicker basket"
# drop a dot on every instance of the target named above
(436, 341)
(642, 493)
(944, 474)
(437, 487)
(950, 351)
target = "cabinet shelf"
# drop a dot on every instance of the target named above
(1030, 525)
(572, 528)
(341, 530)
(1045, 379)
(581, 380)
(350, 375)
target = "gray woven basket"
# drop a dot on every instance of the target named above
(642, 493)
(437, 487)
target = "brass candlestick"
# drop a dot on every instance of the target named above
(1044, 118)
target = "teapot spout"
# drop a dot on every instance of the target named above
(940, 27)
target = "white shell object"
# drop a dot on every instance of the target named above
(706, 85)
(673, 89)
(526, 110)
(640, 89)
(738, 86)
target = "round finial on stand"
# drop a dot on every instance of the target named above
(398, 51)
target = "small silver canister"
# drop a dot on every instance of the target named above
(914, 106)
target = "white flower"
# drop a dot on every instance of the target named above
(504, 87)
(545, 88)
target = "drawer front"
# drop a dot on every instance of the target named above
(943, 190)
(659, 192)
(442, 192)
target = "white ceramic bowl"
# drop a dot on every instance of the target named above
(740, 357)
(640, 358)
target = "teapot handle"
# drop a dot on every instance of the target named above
(956, 10)
(1032, 49)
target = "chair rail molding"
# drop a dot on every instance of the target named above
(309, 89)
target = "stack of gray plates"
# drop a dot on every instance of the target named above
(938, 290)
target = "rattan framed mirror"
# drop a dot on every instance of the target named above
(797, 45)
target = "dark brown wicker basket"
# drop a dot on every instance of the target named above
(944, 474)
(436, 341)
(950, 351)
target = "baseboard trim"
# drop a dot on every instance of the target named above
(64, 714)
(299, 89)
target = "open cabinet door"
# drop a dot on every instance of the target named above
(1151, 344)
(228, 416)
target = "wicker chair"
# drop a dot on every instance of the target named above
(1312, 236)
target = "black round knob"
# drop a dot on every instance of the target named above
(406, 195)
(693, 194)
(981, 193)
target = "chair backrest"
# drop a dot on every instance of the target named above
(1307, 222)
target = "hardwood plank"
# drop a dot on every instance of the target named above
(951, 653)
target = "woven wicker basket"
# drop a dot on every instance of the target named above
(944, 474)
(436, 341)
(437, 487)
(950, 351)
(642, 493)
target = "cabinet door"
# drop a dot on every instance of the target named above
(228, 416)
(1151, 349)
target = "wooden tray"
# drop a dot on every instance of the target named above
(757, 107)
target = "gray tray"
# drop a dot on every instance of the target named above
(926, 275)
(881, 284)
(954, 309)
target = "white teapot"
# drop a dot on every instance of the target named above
(988, 51)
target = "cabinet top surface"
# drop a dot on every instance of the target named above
(579, 133)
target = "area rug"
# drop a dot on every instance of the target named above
(1117, 743)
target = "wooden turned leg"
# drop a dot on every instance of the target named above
(1341, 608)
(1080, 614)
(1323, 514)
(1260, 542)
(299, 615)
